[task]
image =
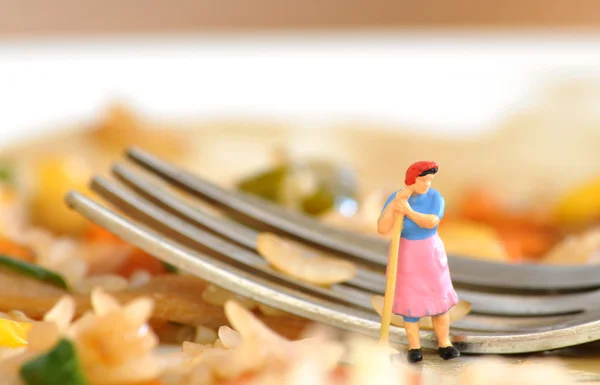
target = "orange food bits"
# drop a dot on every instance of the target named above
(479, 204)
(151, 382)
(527, 243)
(473, 239)
(138, 259)
(536, 244)
(246, 378)
(341, 373)
(98, 233)
(12, 249)
(527, 234)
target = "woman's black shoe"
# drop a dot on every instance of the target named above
(449, 352)
(415, 355)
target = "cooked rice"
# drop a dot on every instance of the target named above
(108, 282)
(576, 249)
(16, 315)
(229, 337)
(59, 254)
(205, 335)
(117, 346)
(218, 296)
(139, 278)
(270, 311)
(247, 349)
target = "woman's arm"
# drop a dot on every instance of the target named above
(388, 217)
(386, 220)
(426, 221)
(429, 221)
(398, 206)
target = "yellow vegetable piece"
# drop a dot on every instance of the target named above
(474, 240)
(8, 195)
(54, 177)
(13, 334)
(580, 205)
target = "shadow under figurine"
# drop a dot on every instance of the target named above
(423, 284)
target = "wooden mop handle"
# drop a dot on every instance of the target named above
(390, 286)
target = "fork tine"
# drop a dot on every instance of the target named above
(482, 323)
(488, 303)
(188, 234)
(217, 271)
(530, 305)
(372, 281)
(304, 305)
(368, 250)
(264, 212)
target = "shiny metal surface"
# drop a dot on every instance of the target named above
(531, 304)
(184, 232)
(365, 249)
(160, 219)
(172, 248)
(522, 304)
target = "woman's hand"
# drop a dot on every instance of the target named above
(399, 205)
(402, 207)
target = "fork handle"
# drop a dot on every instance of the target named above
(386, 316)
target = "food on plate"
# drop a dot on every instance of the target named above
(13, 334)
(314, 187)
(53, 176)
(36, 271)
(217, 296)
(484, 225)
(15, 250)
(90, 350)
(474, 240)
(580, 205)
(581, 249)
(71, 292)
(122, 128)
(303, 262)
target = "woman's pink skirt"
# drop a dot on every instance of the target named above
(423, 284)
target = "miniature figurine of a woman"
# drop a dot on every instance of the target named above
(423, 285)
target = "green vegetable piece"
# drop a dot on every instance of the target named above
(170, 268)
(266, 184)
(7, 173)
(33, 270)
(59, 366)
(320, 202)
(334, 184)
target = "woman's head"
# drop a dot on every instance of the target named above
(419, 175)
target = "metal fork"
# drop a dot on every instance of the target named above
(507, 316)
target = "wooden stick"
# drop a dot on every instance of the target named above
(390, 286)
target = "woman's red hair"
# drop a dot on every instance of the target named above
(416, 169)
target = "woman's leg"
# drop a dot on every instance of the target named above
(411, 325)
(441, 325)
(412, 330)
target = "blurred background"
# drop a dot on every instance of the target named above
(321, 106)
